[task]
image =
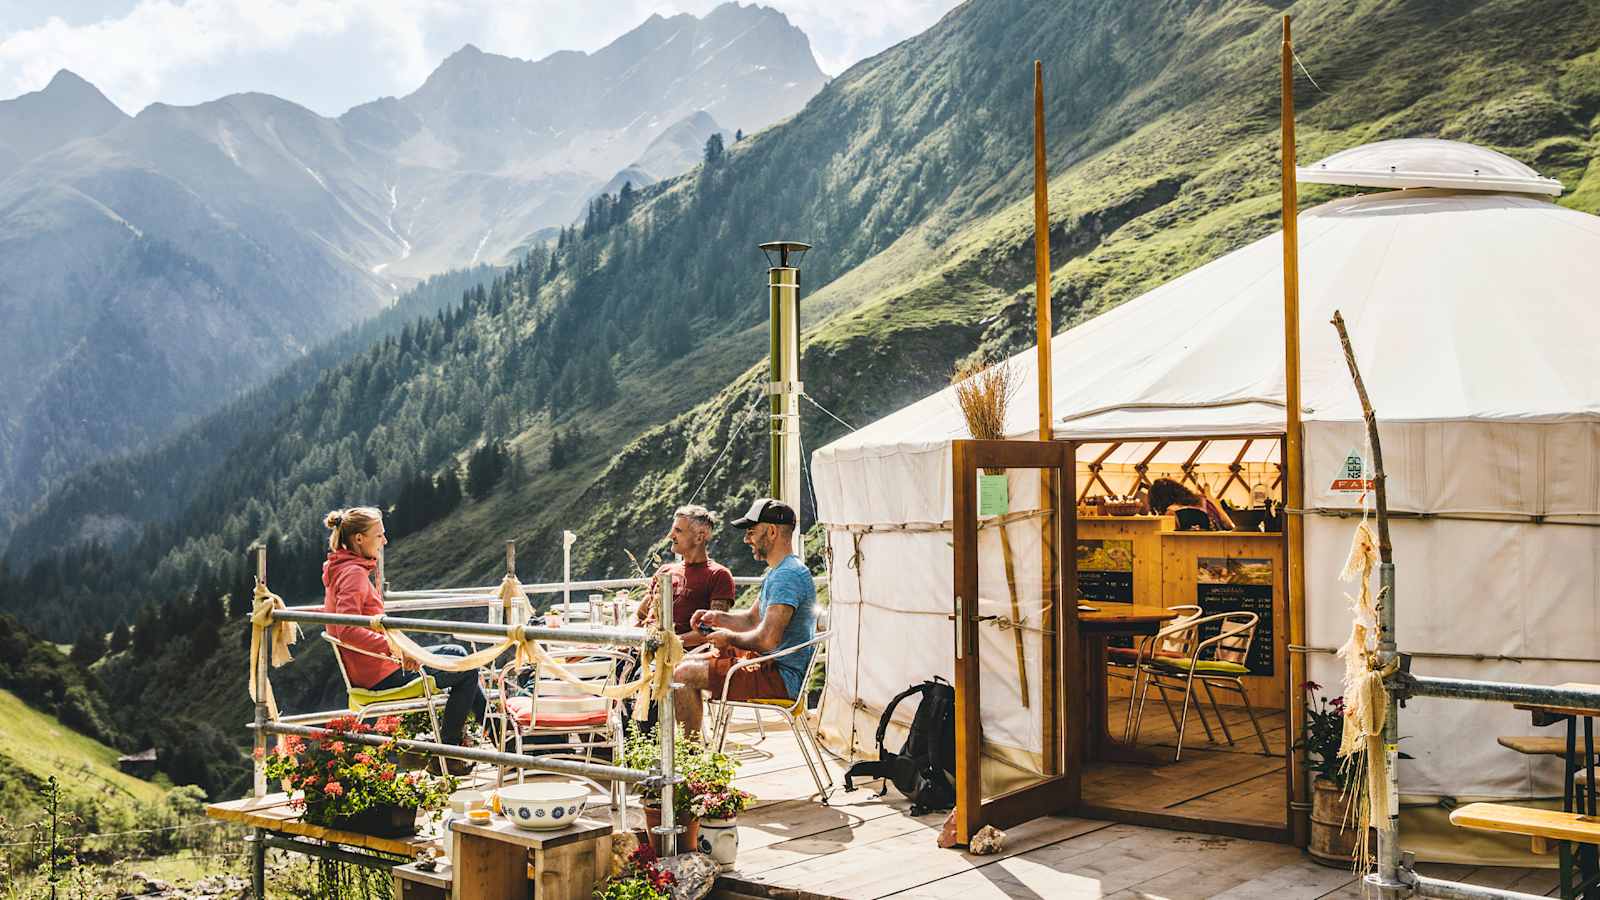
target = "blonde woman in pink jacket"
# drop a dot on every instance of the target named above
(355, 540)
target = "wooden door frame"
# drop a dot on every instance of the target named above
(1063, 709)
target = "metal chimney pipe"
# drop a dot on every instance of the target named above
(784, 385)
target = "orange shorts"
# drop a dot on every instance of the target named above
(760, 682)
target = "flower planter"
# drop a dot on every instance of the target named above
(688, 838)
(719, 839)
(1334, 826)
(380, 821)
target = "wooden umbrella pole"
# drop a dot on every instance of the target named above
(1044, 331)
(1294, 523)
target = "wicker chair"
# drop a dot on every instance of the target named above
(1216, 662)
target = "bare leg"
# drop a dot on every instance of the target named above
(691, 676)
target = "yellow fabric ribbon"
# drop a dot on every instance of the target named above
(277, 644)
(654, 681)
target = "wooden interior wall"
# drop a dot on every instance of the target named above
(1179, 554)
(1164, 574)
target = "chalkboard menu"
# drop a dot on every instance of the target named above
(1105, 575)
(1238, 585)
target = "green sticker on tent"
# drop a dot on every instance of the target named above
(994, 495)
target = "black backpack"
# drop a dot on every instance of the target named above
(923, 769)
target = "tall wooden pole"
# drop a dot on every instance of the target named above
(1041, 257)
(1048, 710)
(1295, 483)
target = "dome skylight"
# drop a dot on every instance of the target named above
(1428, 162)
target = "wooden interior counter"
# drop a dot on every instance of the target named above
(1140, 559)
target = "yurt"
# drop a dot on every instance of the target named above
(1473, 305)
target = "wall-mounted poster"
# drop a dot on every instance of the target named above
(1105, 571)
(1105, 575)
(1239, 585)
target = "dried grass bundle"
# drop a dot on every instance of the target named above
(984, 392)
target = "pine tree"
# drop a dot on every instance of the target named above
(714, 149)
(90, 646)
(121, 638)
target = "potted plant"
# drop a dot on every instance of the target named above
(1333, 820)
(638, 877)
(717, 807)
(702, 770)
(355, 787)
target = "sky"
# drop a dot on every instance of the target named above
(330, 55)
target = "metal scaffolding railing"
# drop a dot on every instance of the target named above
(266, 722)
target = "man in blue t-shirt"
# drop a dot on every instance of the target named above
(785, 617)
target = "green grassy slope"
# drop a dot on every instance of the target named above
(35, 746)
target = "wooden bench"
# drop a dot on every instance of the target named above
(1533, 745)
(1542, 825)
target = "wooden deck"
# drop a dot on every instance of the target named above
(865, 847)
(862, 846)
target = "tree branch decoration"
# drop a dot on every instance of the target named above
(1366, 699)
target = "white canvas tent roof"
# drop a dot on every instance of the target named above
(1475, 319)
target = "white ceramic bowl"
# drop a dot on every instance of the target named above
(543, 805)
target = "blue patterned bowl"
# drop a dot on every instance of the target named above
(543, 805)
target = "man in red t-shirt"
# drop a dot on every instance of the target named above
(697, 582)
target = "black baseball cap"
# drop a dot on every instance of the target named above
(768, 510)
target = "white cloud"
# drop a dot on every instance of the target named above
(332, 54)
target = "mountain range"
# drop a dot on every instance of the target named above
(595, 385)
(152, 267)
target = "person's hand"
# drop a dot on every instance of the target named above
(705, 617)
(722, 639)
(410, 665)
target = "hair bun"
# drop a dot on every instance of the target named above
(334, 519)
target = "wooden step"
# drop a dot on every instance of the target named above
(1542, 825)
(1533, 745)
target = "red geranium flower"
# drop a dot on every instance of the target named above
(386, 775)
(333, 789)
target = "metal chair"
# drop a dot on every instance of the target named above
(794, 710)
(1216, 661)
(572, 723)
(1124, 662)
(364, 702)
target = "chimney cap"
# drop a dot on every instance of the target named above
(783, 249)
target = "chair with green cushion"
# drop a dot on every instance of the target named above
(364, 702)
(1215, 662)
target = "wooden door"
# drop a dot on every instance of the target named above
(1056, 787)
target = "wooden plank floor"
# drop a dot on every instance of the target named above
(862, 846)
(1214, 780)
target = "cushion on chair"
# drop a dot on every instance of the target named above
(361, 697)
(1204, 667)
(784, 702)
(521, 708)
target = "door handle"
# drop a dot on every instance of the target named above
(956, 618)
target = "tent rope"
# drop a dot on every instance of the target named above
(924, 527)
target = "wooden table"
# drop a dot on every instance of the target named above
(1130, 619)
(498, 859)
(1583, 862)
